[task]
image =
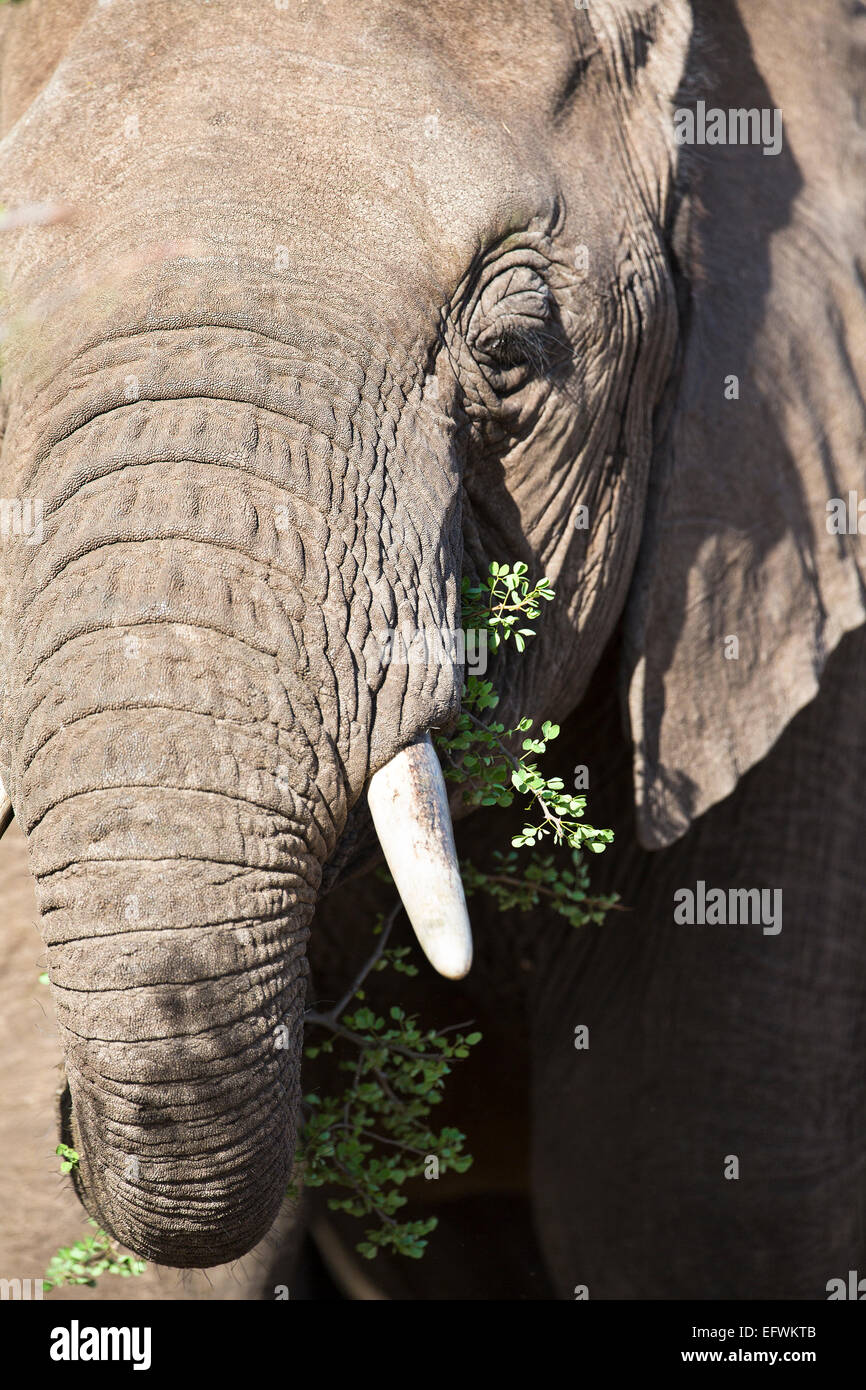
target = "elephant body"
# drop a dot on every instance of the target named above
(310, 314)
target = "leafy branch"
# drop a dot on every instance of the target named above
(399, 1071)
(87, 1259)
(479, 751)
(396, 1075)
(523, 887)
(501, 601)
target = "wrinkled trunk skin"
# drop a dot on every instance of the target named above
(220, 391)
(195, 699)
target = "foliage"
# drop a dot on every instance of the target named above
(376, 1133)
(479, 751)
(87, 1259)
(69, 1156)
(501, 601)
(522, 887)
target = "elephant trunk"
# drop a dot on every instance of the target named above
(178, 818)
(196, 699)
(178, 975)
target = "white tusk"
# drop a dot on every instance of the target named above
(409, 806)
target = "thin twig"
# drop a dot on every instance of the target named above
(530, 885)
(518, 767)
(334, 1013)
(327, 1022)
(380, 1139)
(383, 1082)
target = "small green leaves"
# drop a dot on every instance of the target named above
(478, 752)
(522, 887)
(411, 1241)
(70, 1158)
(85, 1261)
(374, 1135)
(503, 600)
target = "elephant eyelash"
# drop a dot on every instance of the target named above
(523, 345)
(519, 347)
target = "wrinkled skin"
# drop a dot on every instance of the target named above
(316, 338)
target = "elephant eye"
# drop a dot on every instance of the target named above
(510, 330)
(512, 346)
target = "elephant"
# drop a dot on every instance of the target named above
(311, 313)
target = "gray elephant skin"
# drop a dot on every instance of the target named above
(316, 309)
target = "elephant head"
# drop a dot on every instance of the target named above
(340, 303)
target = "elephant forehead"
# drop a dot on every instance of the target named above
(346, 133)
(388, 130)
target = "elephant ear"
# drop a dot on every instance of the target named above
(742, 590)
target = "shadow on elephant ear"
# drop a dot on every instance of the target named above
(735, 544)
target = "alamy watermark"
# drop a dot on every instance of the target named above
(436, 646)
(18, 1290)
(853, 1288)
(736, 126)
(847, 518)
(77, 1343)
(738, 907)
(21, 519)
